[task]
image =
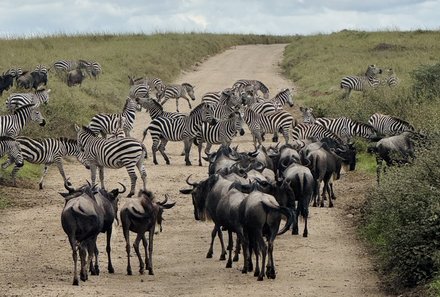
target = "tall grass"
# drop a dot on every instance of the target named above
(401, 217)
(159, 55)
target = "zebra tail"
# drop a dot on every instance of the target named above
(144, 148)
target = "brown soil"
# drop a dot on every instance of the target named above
(36, 260)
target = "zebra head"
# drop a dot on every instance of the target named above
(36, 116)
(10, 146)
(372, 71)
(189, 90)
(307, 113)
(285, 96)
(208, 114)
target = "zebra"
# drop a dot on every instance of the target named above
(112, 153)
(221, 132)
(92, 68)
(176, 92)
(313, 131)
(276, 103)
(64, 66)
(155, 109)
(46, 151)
(139, 91)
(259, 124)
(186, 128)
(391, 79)
(12, 124)
(119, 131)
(41, 69)
(107, 123)
(361, 83)
(11, 147)
(255, 85)
(16, 100)
(156, 85)
(347, 128)
(307, 113)
(389, 125)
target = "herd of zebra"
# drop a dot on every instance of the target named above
(369, 80)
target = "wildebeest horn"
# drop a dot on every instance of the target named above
(68, 186)
(191, 184)
(165, 201)
(123, 191)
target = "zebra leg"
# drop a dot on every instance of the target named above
(154, 148)
(141, 168)
(189, 103)
(93, 173)
(187, 143)
(162, 145)
(14, 175)
(101, 176)
(177, 104)
(199, 147)
(275, 137)
(40, 184)
(208, 148)
(133, 178)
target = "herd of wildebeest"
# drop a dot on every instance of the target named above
(246, 193)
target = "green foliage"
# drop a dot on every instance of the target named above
(426, 82)
(403, 220)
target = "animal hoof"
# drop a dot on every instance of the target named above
(229, 265)
(111, 270)
(40, 186)
(151, 272)
(75, 282)
(236, 258)
(129, 272)
(222, 257)
(209, 255)
(260, 278)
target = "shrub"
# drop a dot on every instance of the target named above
(426, 82)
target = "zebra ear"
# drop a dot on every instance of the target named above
(77, 128)
(48, 91)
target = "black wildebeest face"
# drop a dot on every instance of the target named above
(348, 155)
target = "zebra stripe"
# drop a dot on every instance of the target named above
(259, 124)
(156, 85)
(220, 133)
(92, 68)
(139, 91)
(11, 147)
(313, 131)
(65, 66)
(164, 129)
(112, 153)
(361, 83)
(107, 123)
(392, 80)
(155, 109)
(41, 68)
(347, 128)
(276, 103)
(16, 100)
(12, 124)
(242, 84)
(176, 92)
(389, 125)
(48, 151)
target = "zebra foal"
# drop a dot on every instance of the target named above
(12, 124)
(16, 100)
(100, 153)
(176, 92)
(389, 125)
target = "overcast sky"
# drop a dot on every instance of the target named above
(20, 18)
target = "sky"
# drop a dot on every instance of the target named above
(27, 18)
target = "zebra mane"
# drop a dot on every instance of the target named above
(6, 138)
(88, 130)
(24, 107)
(263, 87)
(402, 122)
(157, 104)
(187, 85)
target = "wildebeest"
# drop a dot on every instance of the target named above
(140, 215)
(6, 81)
(396, 149)
(75, 77)
(82, 219)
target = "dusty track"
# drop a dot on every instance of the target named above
(35, 258)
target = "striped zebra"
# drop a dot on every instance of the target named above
(41, 69)
(9, 146)
(12, 124)
(274, 104)
(105, 123)
(259, 124)
(347, 128)
(186, 128)
(255, 85)
(156, 110)
(16, 100)
(63, 66)
(361, 83)
(139, 91)
(92, 68)
(307, 114)
(221, 132)
(119, 131)
(176, 92)
(47, 151)
(313, 131)
(101, 153)
(156, 85)
(391, 79)
(389, 125)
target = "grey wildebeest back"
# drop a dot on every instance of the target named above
(140, 215)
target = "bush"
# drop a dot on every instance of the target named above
(426, 82)
(403, 220)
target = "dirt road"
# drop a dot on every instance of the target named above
(35, 257)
